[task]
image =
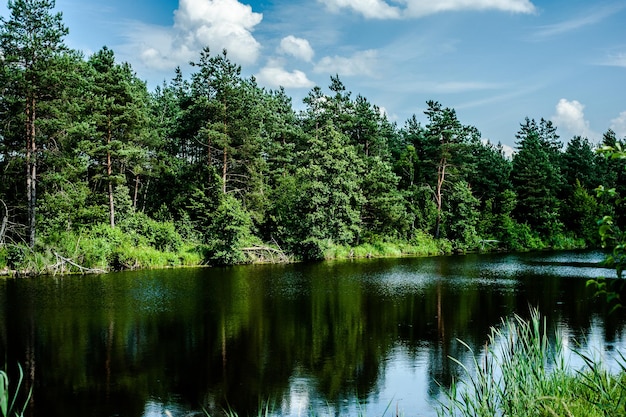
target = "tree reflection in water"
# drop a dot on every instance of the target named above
(327, 338)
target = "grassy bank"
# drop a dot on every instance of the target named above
(143, 243)
(421, 245)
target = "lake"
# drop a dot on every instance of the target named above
(364, 337)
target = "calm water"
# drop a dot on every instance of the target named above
(324, 339)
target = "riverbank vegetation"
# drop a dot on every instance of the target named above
(211, 168)
(524, 371)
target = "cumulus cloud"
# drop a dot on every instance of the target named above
(619, 125)
(218, 24)
(380, 9)
(361, 63)
(570, 116)
(274, 74)
(296, 47)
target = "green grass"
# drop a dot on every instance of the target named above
(377, 247)
(522, 374)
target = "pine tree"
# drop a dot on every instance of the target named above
(30, 40)
(535, 180)
(119, 116)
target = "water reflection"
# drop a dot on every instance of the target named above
(360, 337)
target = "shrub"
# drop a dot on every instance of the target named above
(3, 257)
(312, 249)
(160, 235)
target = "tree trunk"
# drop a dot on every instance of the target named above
(136, 192)
(3, 225)
(31, 170)
(110, 173)
(441, 175)
(224, 170)
(225, 162)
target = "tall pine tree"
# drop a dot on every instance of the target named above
(30, 40)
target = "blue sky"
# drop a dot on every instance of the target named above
(494, 61)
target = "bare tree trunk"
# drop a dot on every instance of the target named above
(31, 170)
(3, 225)
(224, 170)
(209, 155)
(145, 195)
(225, 162)
(441, 175)
(136, 192)
(110, 173)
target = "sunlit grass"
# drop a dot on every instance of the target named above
(521, 373)
(421, 245)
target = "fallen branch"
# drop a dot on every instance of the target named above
(5, 221)
(267, 252)
(61, 261)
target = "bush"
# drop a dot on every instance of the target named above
(312, 249)
(3, 257)
(519, 236)
(16, 256)
(229, 233)
(160, 235)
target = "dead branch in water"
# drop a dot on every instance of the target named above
(61, 261)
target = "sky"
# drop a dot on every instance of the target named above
(495, 62)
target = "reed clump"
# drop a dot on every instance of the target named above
(522, 372)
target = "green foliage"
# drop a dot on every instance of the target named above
(536, 180)
(15, 256)
(613, 236)
(461, 216)
(422, 209)
(330, 196)
(229, 233)
(519, 236)
(160, 235)
(216, 161)
(422, 244)
(582, 214)
(384, 210)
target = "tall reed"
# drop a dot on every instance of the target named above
(521, 373)
(8, 406)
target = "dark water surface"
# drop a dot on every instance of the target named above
(335, 338)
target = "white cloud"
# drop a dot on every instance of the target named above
(619, 125)
(507, 150)
(593, 16)
(361, 63)
(570, 116)
(616, 60)
(418, 8)
(451, 87)
(296, 47)
(380, 9)
(275, 75)
(218, 24)
(371, 9)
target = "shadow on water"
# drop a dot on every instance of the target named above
(330, 338)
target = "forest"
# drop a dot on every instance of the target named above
(98, 173)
